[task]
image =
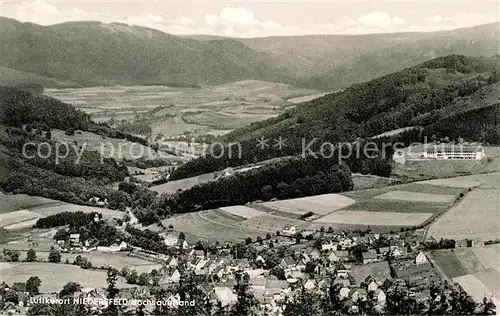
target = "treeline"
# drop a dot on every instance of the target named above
(83, 224)
(358, 157)
(73, 219)
(284, 178)
(22, 178)
(141, 128)
(18, 107)
(147, 240)
(481, 124)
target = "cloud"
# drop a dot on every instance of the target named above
(42, 12)
(239, 21)
(436, 18)
(380, 20)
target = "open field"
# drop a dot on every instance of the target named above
(363, 182)
(416, 197)
(186, 183)
(476, 216)
(378, 205)
(16, 217)
(242, 211)
(489, 180)
(116, 260)
(402, 205)
(319, 204)
(14, 202)
(375, 218)
(27, 218)
(54, 276)
(199, 226)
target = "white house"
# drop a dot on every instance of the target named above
(344, 292)
(372, 286)
(225, 295)
(380, 297)
(289, 230)
(421, 259)
(171, 261)
(172, 275)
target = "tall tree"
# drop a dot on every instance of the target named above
(31, 255)
(33, 285)
(112, 292)
(246, 303)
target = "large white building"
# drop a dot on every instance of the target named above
(445, 152)
(454, 152)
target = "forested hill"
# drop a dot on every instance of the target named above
(435, 96)
(419, 95)
(81, 53)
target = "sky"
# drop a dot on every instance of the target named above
(260, 18)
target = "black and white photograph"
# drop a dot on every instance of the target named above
(253, 157)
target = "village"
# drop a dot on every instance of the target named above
(363, 265)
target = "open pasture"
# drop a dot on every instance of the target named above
(118, 260)
(476, 216)
(54, 276)
(14, 202)
(66, 207)
(416, 197)
(375, 218)
(379, 205)
(15, 217)
(319, 204)
(200, 226)
(473, 286)
(269, 223)
(242, 211)
(486, 180)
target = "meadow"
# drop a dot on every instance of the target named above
(476, 216)
(54, 275)
(382, 209)
(13, 218)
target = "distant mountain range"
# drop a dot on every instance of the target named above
(95, 53)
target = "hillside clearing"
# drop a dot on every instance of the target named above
(375, 218)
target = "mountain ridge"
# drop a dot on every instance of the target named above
(95, 53)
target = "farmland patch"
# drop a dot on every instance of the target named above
(375, 218)
(10, 218)
(416, 197)
(319, 204)
(54, 276)
(242, 211)
(476, 216)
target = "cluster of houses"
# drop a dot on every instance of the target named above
(75, 244)
(310, 267)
